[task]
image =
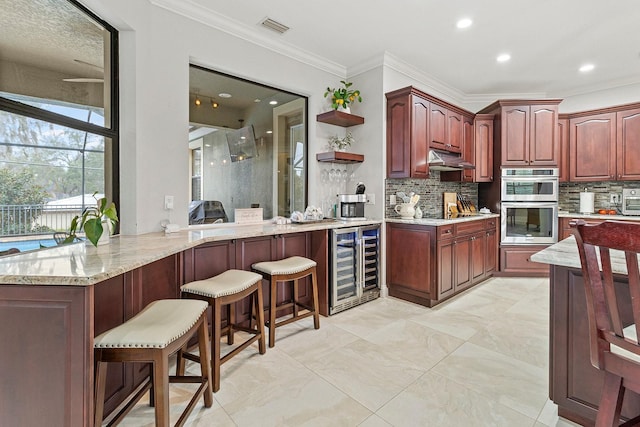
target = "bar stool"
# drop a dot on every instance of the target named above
(161, 329)
(289, 270)
(226, 289)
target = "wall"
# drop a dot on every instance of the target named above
(569, 199)
(156, 49)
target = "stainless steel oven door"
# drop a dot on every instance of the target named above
(529, 189)
(528, 223)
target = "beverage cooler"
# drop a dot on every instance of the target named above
(355, 266)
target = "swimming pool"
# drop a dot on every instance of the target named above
(27, 245)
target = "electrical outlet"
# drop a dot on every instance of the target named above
(371, 199)
(168, 202)
(392, 200)
(614, 198)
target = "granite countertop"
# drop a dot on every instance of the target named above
(565, 214)
(82, 264)
(440, 221)
(565, 254)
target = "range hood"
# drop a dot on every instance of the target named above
(444, 161)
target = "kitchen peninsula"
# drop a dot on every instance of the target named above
(574, 384)
(54, 301)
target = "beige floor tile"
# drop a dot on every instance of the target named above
(453, 322)
(366, 372)
(434, 400)
(374, 421)
(309, 345)
(511, 382)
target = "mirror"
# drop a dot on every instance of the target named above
(247, 148)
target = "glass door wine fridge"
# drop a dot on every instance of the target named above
(355, 266)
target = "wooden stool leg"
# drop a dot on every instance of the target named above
(296, 297)
(215, 344)
(314, 291)
(611, 401)
(161, 388)
(180, 361)
(231, 318)
(260, 318)
(272, 312)
(100, 384)
(205, 365)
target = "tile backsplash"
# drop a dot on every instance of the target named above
(569, 199)
(430, 191)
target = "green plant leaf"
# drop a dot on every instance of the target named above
(93, 230)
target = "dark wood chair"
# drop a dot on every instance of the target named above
(613, 341)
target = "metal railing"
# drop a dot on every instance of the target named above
(25, 220)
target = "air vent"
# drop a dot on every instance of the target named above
(274, 25)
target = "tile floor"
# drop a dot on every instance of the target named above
(479, 359)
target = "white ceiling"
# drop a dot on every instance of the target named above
(548, 39)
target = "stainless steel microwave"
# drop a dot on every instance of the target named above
(630, 202)
(529, 185)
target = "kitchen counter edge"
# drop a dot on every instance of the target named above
(438, 222)
(81, 264)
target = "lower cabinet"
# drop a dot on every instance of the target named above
(516, 261)
(428, 264)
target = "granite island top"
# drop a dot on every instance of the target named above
(565, 254)
(566, 214)
(441, 221)
(81, 264)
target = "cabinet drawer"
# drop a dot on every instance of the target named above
(468, 227)
(516, 259)
(490, 223)
(445, 231)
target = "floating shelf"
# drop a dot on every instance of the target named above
(339, 157)
(339, 118)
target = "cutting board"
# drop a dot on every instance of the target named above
(448, 198)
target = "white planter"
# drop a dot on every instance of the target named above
(106, 233)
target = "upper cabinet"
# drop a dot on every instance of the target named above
(529, 132)
(563, 139)
(483, 148)
(604, 145)
(417, 122)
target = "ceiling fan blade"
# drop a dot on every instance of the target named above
(83, 80)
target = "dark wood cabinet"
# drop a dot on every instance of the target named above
(428, 264)
(529, 132)
(563, 142)
(516, 261)
(483, 153)
(628, 144)
(592, 147)
(417, 122)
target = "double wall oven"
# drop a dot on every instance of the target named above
(529, 206)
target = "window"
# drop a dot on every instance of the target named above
(58, 117)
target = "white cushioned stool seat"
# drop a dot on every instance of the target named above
(290, 270)
(162, 328)
(227, 283)
(157, 326)
(224, 291)
(291, 265)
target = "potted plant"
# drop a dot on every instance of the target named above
(93, 221)
(341, 144)
(343, 96)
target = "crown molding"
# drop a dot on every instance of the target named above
(212, 19)
(584, 90)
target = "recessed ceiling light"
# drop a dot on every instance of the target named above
(269, 132)
(224, 95)
(464, 23)
(273, 102)
(256, 100)
(504, 57)
(586, 68)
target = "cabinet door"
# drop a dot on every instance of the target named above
(438, 127)
(563, 142)
(515, 136)
(543, 135)
(478, 250)
(446, 268)
(248, 252)
(419, 138)
(484, 150)
(592, 148)
(628, 145)
(469, 148)
(454, 133)
(462, 262)
(410, 261)
(491, 252)
(398, 137)
(208, 260)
